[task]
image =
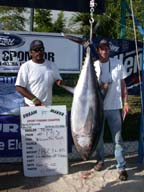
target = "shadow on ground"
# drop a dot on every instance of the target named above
(12, 177)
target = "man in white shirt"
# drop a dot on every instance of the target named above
(111, 74)
(37, 76)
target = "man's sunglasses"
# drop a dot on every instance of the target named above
(38, 49)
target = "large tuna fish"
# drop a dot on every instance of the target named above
(87, 110)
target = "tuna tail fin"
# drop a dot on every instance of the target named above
(76, 39)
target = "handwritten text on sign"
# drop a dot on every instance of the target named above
(44, 140)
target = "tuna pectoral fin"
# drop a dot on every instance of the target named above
(68, 88)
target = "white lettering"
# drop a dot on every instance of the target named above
(129, 65)
(131, 62)
(14, 144)
(5, 41)
(2, 146)
(0, 127)
(7, 128)
(113, 47)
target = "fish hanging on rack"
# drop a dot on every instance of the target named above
(87, 110)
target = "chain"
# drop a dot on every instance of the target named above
(91, 20)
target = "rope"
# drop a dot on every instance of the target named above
(135, 36)
(140, 80)
(116, 22)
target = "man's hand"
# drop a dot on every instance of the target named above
(126, 109)
(37, 102)
(104, 86)
(59, 82)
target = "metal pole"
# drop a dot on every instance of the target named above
(141, 131)
(31, 19)
(123, 19)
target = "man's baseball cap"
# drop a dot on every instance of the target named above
(36, 43)
(103, 42)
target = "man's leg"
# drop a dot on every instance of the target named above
(100, 152)
(115, 124)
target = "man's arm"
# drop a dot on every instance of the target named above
(124, 91)
(124, 98)
(25, 93)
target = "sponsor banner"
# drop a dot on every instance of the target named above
(10, 99)
(126, 51)
(10, 138)
(14, 51)
(44, 140)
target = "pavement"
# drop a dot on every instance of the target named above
(80, 178)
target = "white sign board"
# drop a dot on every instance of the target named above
(44, 140)
(14, 50)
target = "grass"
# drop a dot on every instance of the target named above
(61, 96)
(131, 124)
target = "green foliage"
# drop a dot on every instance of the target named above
(60, 95)
(12, 18)
(81, 19)
(42, 20)
(110, 21)
(138, 10)
(60, 23)
(44, 23)
(107, 25)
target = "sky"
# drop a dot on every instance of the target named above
(67, 14)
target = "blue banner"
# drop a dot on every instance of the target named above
(10, 137)
(10, 99)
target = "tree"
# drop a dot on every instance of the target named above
(80, 23)
(60, 23)
(110, 24)
(43, 20)
(138, 9)
(12, 18)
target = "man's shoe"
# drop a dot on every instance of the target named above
(123, 176)
(99, 166)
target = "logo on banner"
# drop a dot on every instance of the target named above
(10, 40)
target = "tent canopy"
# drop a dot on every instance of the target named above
(66, 5)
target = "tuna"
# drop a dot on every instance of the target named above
(87, 110)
